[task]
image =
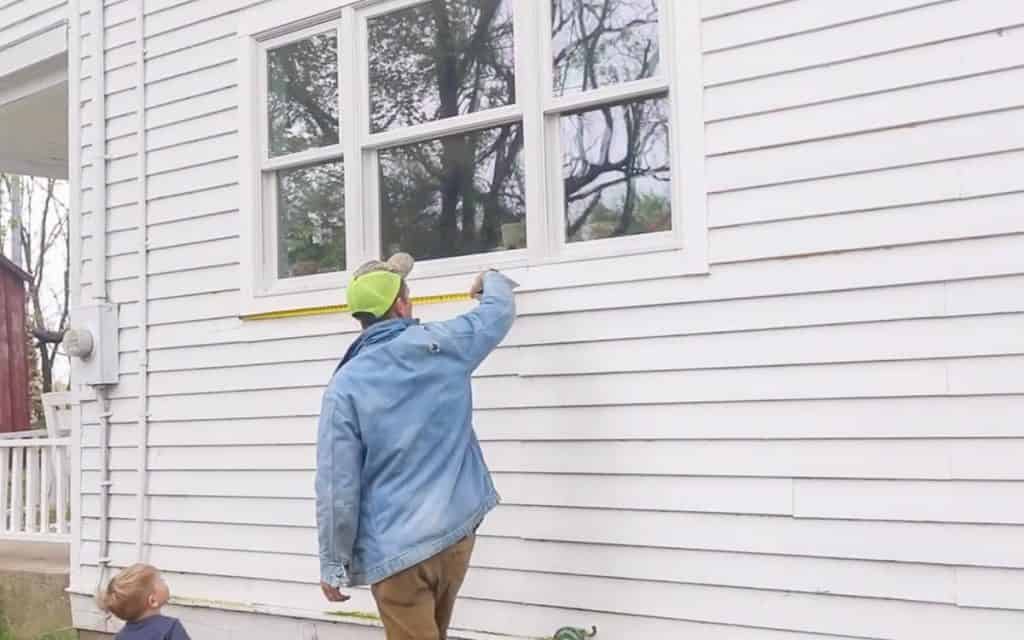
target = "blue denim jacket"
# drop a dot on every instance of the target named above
(400, 474)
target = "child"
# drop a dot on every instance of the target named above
(136, 595)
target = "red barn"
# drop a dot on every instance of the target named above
(14, 396)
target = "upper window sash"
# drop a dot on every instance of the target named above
(611, 92)
(327, 25)
(406, 134)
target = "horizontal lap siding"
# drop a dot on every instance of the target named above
(821, 439)
(23, 19)
(123, 210)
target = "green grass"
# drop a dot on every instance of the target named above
(60, 634)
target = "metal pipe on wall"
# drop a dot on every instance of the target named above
(143, 277)
(99, 284)
(103, 555)
(99, 154)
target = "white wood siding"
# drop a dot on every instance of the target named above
(22, 20)
(821, 439)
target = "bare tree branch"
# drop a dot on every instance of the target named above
(44, 224)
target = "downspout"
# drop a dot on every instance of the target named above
(143, 277)
(99, 284)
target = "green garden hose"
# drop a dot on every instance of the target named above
(573, 633)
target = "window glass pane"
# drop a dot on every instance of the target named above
(311, 219)
(302, 94)
(440, 59)
(603, 42)
(615, 166)
(458, 195)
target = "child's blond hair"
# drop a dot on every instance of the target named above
(127, 594)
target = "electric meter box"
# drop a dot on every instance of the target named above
(92, 342)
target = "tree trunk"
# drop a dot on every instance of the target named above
(46, 358)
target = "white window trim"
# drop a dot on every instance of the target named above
(267, 187)
(548, 262)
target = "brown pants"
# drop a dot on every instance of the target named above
(417, 603)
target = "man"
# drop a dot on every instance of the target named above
(401, 482)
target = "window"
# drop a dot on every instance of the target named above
(615, 153)
(303, 164)
(471, 133)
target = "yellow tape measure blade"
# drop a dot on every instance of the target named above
(342, 308)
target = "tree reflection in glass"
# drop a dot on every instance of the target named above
(598, 43)
(459, 195)
(439, 59)
(615, 167)
(311, 219)
(302, 95)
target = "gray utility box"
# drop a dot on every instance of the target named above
(92, 342)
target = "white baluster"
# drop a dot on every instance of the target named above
(31, 488)
(18, 490)
(5, 492)
(59, 479)
(44, 491)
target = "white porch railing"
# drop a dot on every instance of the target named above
(35, 501)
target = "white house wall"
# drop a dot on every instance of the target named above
(820, 439)
(22, 20)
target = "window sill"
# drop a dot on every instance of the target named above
(438, 277)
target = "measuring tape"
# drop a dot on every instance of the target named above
(342, 308)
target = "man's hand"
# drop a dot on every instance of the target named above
(332, 594)
(477, 289)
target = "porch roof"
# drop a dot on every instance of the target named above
(34, 104)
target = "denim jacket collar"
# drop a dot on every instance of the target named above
(378, 333)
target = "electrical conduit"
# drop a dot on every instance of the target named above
(143, 278)
(99, 284)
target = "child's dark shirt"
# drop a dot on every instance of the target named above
(153, 628)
